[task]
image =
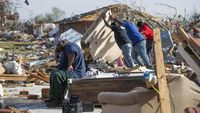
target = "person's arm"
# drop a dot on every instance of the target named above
(57, 52)
(71, 58)
(116, 20)
(106, 23)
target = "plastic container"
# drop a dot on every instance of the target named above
(150, 79)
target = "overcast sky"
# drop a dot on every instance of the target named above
(80, 6)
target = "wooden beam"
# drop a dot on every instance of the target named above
(184, 35)
(14, 77)
(160, 72)
(193, 43)
(39, 76)
(190, 61)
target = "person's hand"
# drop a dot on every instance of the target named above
(70, 68)
(111, 17)
(104, 16)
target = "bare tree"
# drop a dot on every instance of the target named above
(57, 13)
(7, 8)
(54, 15)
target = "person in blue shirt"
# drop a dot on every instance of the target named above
(123, 42)
(138, 42)
(70, 64)
(71, 59)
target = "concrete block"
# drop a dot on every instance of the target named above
(45, 93)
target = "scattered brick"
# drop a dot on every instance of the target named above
(45, 93)
(24, 92)
(34, 97)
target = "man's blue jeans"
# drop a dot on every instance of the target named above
(127, 53)
(140, 50)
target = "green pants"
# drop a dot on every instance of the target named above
(58, 83)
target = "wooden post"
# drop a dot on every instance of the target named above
(160, 72)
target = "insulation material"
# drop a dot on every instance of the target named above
(13, 67)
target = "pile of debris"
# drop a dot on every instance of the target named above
(30, 57)
(24, 53)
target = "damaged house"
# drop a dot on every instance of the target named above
(117, 89)
(95, 34)
(98, 41)
(83, 23)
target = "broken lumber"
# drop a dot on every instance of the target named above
(186, 56)
(160, 72)
(42, 73)
(39, 76)
(51, 63)
(14, 77)
(190, 41)
(12, 43)
(184, 35)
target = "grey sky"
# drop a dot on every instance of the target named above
(80, 6)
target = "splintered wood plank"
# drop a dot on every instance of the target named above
(13, 77)
(160, 72)
(196, 41)
(184, 35)
(190, 61)
(11, 43)
(193, 42)
(51, 63)
(40, 77)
